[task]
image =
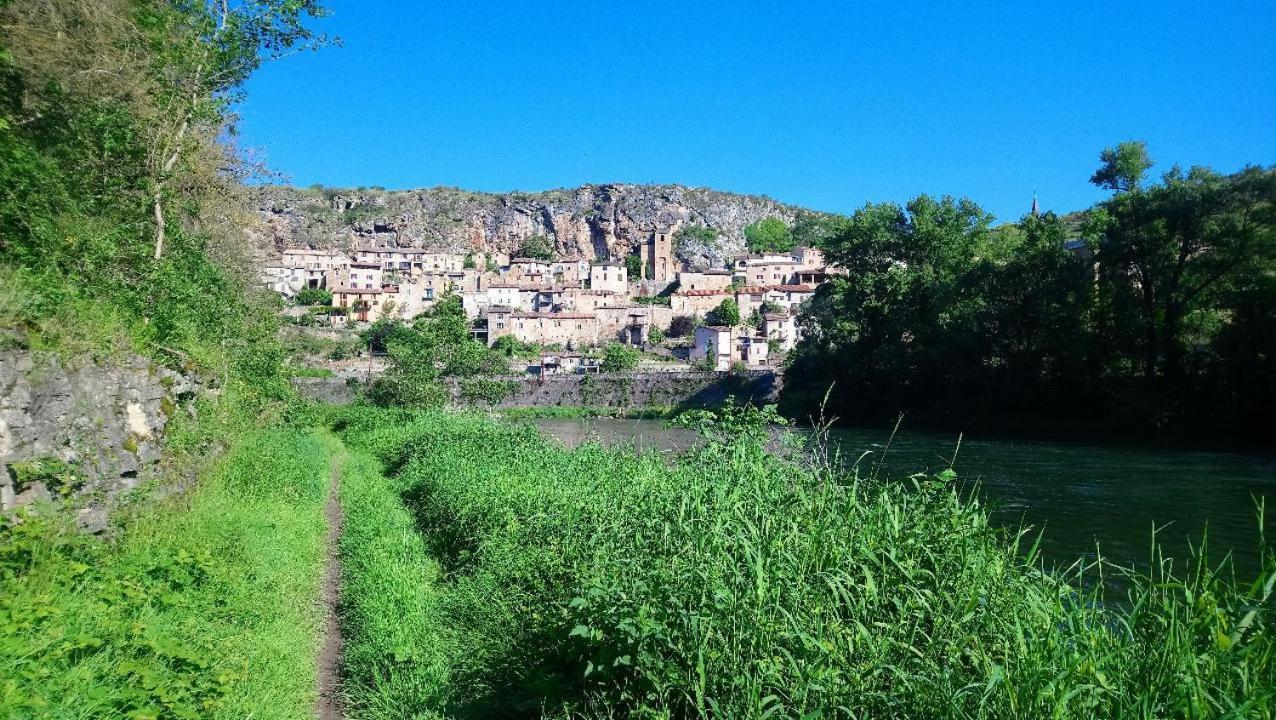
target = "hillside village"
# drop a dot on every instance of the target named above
(562, 308)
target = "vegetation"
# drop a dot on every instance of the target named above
(1161, 320)
(769, 235)
(619, 358)
(727, 314)
(692, 239)
(434, 346)
(633, 266)
(314, 296)
(538, 247)
(737, 583)
(682, 326)
(203, 607)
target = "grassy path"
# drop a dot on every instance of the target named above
(329, 704)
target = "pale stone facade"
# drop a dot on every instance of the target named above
(704, 280)
(609, 277)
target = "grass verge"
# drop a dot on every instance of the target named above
(203, 606)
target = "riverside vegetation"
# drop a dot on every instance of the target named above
(498, 575)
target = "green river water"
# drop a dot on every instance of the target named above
(1079, 495)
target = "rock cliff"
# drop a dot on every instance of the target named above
(593, 221)
(84, 427)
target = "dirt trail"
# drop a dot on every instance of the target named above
(329, 705)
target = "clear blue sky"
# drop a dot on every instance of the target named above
(827, 105)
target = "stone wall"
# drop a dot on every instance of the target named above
(103, 421)
(634, 390)
(630, 390)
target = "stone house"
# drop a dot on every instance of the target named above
(362, 275)
(808, 258)
(780, 328)
(569, 329)
(609, 276)
(363, 304)
(789, 296)
(321, 260)
(713, 342)
(704, 280)
(569, 270)
(767, 269)
(696, 302)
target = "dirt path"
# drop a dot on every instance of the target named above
(329, 706)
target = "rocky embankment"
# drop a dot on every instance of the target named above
(593, 221)
(80, 428)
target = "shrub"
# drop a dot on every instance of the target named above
(618, 358)
(727, 313)
(314, 296)
(682, 326)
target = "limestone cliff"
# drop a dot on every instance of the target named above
(593, 221)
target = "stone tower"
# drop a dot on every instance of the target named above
(658, 255)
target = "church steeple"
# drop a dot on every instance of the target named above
(1036, 209)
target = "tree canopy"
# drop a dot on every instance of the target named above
(768, 235)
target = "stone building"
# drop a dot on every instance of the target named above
(609, 276)
(657, 256)
(704, 280)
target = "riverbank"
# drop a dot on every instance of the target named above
(739, 583)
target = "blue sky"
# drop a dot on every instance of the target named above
(827, 105)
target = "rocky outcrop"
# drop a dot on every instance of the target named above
(594, 221)
(102, 423)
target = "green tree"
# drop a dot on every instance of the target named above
(538, 247)
(1165, 249)
(633, 266)
(469, 263)
(727, 313)
(619, 358)
(768, 235)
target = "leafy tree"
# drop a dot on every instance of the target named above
(727, 313)
(538, 247)
(469, 263)
(633, 266)
(619, 358)
(1164, 250)
(314, 296)
(768, 235)
(436, 345)
(681, 326)
(773, 308)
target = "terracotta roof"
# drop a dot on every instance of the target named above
(793, 288)
(701, 293)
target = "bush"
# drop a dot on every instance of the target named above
(538, 247)
(656, 336)
(682, 326)
(727, 314)
(618, 358)
(314, 296)
(768, 235)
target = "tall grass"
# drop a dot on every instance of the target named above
(202, 606)
(738, 584)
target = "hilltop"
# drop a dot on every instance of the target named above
(592, 221)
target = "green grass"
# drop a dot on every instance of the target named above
(396, 639)
(203, 606)
(739, 584)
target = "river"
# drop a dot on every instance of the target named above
(1080, 495)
